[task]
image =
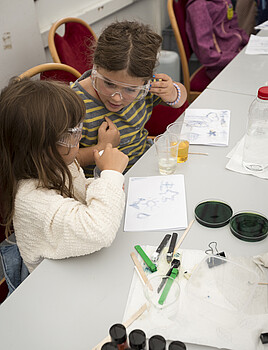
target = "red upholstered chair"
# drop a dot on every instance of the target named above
(54, 71)
(74, 48)
(198, 81)
(161, 117)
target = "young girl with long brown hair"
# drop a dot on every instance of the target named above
(55, 211)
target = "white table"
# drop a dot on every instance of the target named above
(244, 74)
(70, 304)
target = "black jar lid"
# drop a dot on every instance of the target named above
(177, 345)
(137, 339)
(157, 342)
(118, 333)
(109, 346)
(213, 213)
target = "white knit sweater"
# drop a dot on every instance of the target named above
(48, 225)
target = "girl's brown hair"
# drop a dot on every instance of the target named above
(34, 114)
(128, 45)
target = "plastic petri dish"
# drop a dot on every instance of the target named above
(249, 226)
(213, 213)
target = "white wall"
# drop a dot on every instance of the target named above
(100, 13)
(28, 23)
(20, 44)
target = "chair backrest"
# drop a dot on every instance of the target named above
(54, 71)
(177, 16)
(74, 48)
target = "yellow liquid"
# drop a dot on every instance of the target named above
(183, 151)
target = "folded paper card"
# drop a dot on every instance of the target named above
(207, 126)
(257, 45)
(156, 203)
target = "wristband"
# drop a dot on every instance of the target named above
(178, 98)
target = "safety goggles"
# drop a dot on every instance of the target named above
(72, 137)
(110, 87)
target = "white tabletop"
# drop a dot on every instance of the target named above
(70, 304)
(245, 74)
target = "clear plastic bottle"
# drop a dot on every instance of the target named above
(255, 154)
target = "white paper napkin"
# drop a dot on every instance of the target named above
(235, 162)
(198, 321)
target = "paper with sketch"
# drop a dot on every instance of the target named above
(257, 45)
(263, 25)
(207, 126)
(156, 203)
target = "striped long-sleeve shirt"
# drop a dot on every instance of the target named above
(130, 122)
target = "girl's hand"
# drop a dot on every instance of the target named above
(108, 133)
(164, 88)
(111, 159)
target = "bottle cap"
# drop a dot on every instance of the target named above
(177, 345)
(263, 93)
(109, 346)
(118, 333)
(137, 339)
(157, 342)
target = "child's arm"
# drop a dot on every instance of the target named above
(67, 227)
(107, 133)
(168, 92)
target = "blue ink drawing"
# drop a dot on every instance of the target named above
(146, 206)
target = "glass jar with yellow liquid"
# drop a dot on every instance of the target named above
(183, 149)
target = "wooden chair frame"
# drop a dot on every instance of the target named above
(191, 95)
(53, 29)
(50, 66)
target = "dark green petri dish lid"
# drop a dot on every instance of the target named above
(213, 213)
(249, 226)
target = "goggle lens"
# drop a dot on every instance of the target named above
(110, 87)
(72, 137)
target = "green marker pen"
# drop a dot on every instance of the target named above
(168, 285)
(145, 258)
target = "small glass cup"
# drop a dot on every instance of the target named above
(166, 307)
(167, 151)
(184, 140)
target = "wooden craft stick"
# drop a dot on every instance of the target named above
(183, 236)
(138, 273)
(136, 315)
(263, 283)
(198, 153)
(128, 322)
(140, 269)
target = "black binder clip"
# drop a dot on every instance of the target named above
(212, 260)
(264, 338)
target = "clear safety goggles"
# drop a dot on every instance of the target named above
(72, 137)
(110, 87)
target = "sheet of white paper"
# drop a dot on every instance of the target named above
(156, 203)
(257, 45)
(263, 25)
(207, 126)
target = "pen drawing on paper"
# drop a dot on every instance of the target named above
(206, 126)
(145, 206)
(156, 203)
